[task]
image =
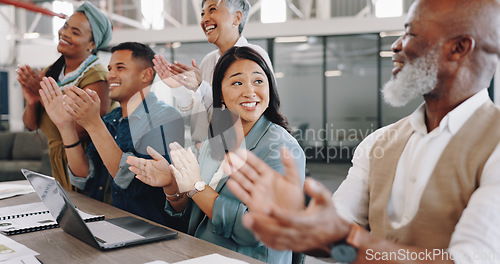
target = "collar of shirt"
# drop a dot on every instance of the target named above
(241, 42)
(148, 106)
(455, 119)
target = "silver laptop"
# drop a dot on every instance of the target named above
(105, 234)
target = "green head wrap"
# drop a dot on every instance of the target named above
(99, 23)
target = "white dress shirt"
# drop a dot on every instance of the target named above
(476, 238)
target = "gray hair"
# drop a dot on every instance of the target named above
(236, 5)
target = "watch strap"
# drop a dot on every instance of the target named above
(192, 192)
(346, 250)
(195, 190)
(354, 235)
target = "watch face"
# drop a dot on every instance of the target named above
(199, 186)
(344, 253)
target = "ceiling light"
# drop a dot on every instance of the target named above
(176, 45)
(273, 11)
(290, 39)
(391, 34)
(386, 54)
(333, 73)
(389, 8)
(33, 35)
(279, 75)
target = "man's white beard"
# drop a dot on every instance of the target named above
(414, 80)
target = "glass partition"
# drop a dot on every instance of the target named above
(351, 90)
(298, 68)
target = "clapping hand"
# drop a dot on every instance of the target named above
(83, 106)
(53, 101)
(29, 78)
(154, 172)
(277, 214)
(259, 186)
(178, 74)
(185, 168)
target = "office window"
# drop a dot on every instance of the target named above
(351, 88)
(298, 67)
(188, 51)
(260, 42)
(164, 49)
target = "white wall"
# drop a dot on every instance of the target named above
(7, 40)
(335, 26)
(37, 53)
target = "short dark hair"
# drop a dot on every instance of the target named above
(237, 53)
(139, 51)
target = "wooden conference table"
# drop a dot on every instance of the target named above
(56, 246)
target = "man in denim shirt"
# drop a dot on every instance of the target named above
(140, 121)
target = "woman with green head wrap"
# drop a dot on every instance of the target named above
(82, 35)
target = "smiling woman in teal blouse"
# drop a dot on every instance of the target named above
(246, 115)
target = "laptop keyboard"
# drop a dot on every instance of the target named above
(108, 233)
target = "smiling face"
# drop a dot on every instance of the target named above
(422, 34)
(245, 91)
(217, 23)
(75, 37)
(126, 76)
(416, 58)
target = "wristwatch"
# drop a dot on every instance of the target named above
(198, 187)
(343, 252)
(346, 250)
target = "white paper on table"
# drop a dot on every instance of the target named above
(11, 189)
(212, 259)
(10, 249)
(22, 260)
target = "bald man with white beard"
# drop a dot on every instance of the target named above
(422, 190)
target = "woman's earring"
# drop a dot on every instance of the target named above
(223, 107)
(235, 26)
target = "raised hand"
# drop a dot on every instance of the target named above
(83, 106)
(162, 68)
(185, 168)
(312, 229)
(259, 186)
(52, 99)
(178, 74)
(29, 79)
(155, 172)
(187, 75)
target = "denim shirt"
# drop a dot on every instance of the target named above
(153, 124)
(226, 229)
